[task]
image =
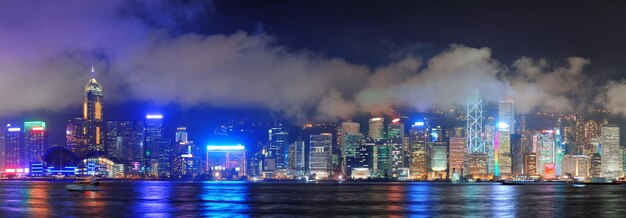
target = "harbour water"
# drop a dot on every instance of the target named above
(242, 199)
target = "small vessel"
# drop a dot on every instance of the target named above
(578, 184)
(81, 187)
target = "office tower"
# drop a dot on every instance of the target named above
(346, 128)
(226, 161)
(320, 162)
(530, 164)
(376, 128)
(278, 144)
(92, 117)
(595, 165)
(419, 156)
(474, 134)
(611, 153)
(438, 156)
(397, 157)
(506, 114)
(545, 152)
(118, 140)
(352, 145)
(457, 157)
(576, 166)
(475, 165)
(14, 142)
(559, 150)
(35, 141)
(381, 154)
(297, 158)
(517, 155)
(137, 165)
(152, 144)
(396, 130)
(435, 134)
(75, 137)
(185, 156)
(489, 137)
(503, 151)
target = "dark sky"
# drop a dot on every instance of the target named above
(205, 62)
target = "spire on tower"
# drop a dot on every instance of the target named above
(93, 72)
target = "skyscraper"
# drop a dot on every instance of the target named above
(153, 141)
(320, 157)
(35, 141)
(438, 160)
(352, 145)
(279, 143)
(376, 128)
(75, 137)
(503, 151)
(611, 153)
(3, 153)
(545, 152)
(457, 157)
(14, 142)
(506, 114)
(346, 129)
(475, 141)
(92, 117)
(296, 158)
(419, 155)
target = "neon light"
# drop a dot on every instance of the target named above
(495, 153)
(14, 129)
(376, 119)
(237, 147)
(9, 170)
(154, 116)
(38, 128)
(395, 120)
(419, 123)
(186, 155)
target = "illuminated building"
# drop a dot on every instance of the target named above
(320, 162)
(438, 160)
(59, 160)
(476, 163)
(3, 153)
(381, 154)
(101, 166)
(457, 157)
(517, 155)
(119, 140)
(490, 132)
(612, 156)
(575, 165)
(226, 161)
(419, 155)
(14, 143)
(396, 130)
(297, 158)
(397, 157)
(345, 129)
(502, 149)
(530, 164)
(549, 171)
(185, 158)
(595, 165)
(365, 158)
(153, 143)
(278, 144)
(74, 135)
(474, 134)
(92, 117)
(352, 144)
(35, 141)
(360, 173)
(506, 114)
(376, 128)
(545, 151)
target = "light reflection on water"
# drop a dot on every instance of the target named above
(240, 199)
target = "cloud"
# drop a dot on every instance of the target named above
(47, 49)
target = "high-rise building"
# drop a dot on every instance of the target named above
(530, 164)
(75, 137)
(185, 155)
(506, 114)
(381, 154)
(278, 144)
(457, 157)
(153, 143)
(517, 155)
(503, 151)
(546, 154)
(320, 157)
(419, 155)
(438, 155)
(576, 166)
(377, 128)
(92, 117)
(489, 137)
(35, 141)
(397, 157)
(396, 130)
(352, 145)
(346, 128)
(474, 134)
(612, 156)
(3, 153)
(14, 142)
(124, 144)
(296, 158)
(595, 165)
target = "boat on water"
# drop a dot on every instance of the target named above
(80, 187)
(533, 182)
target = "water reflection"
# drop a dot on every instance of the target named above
(503, 200)
(154, 199)
(224, 199)
(419, 199)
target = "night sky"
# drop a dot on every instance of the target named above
(202, 63)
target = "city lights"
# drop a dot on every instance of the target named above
(154, 116)
(419, 123)
(237, 147)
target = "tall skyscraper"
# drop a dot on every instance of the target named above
(14, 142)
(506, 114)
(397, 156)
(296, 158)
(502, 153)
(377, 128)
(438, 160)
(35, 141)
(346, 129)
(75, 137)
(320, 157)
(419, 152)
(352, 145)
(545, 152)
(279, 143)
(153, 143)
(92, 117)
(611, 153)
(475, 141)
(396, 130)
(457, 157)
